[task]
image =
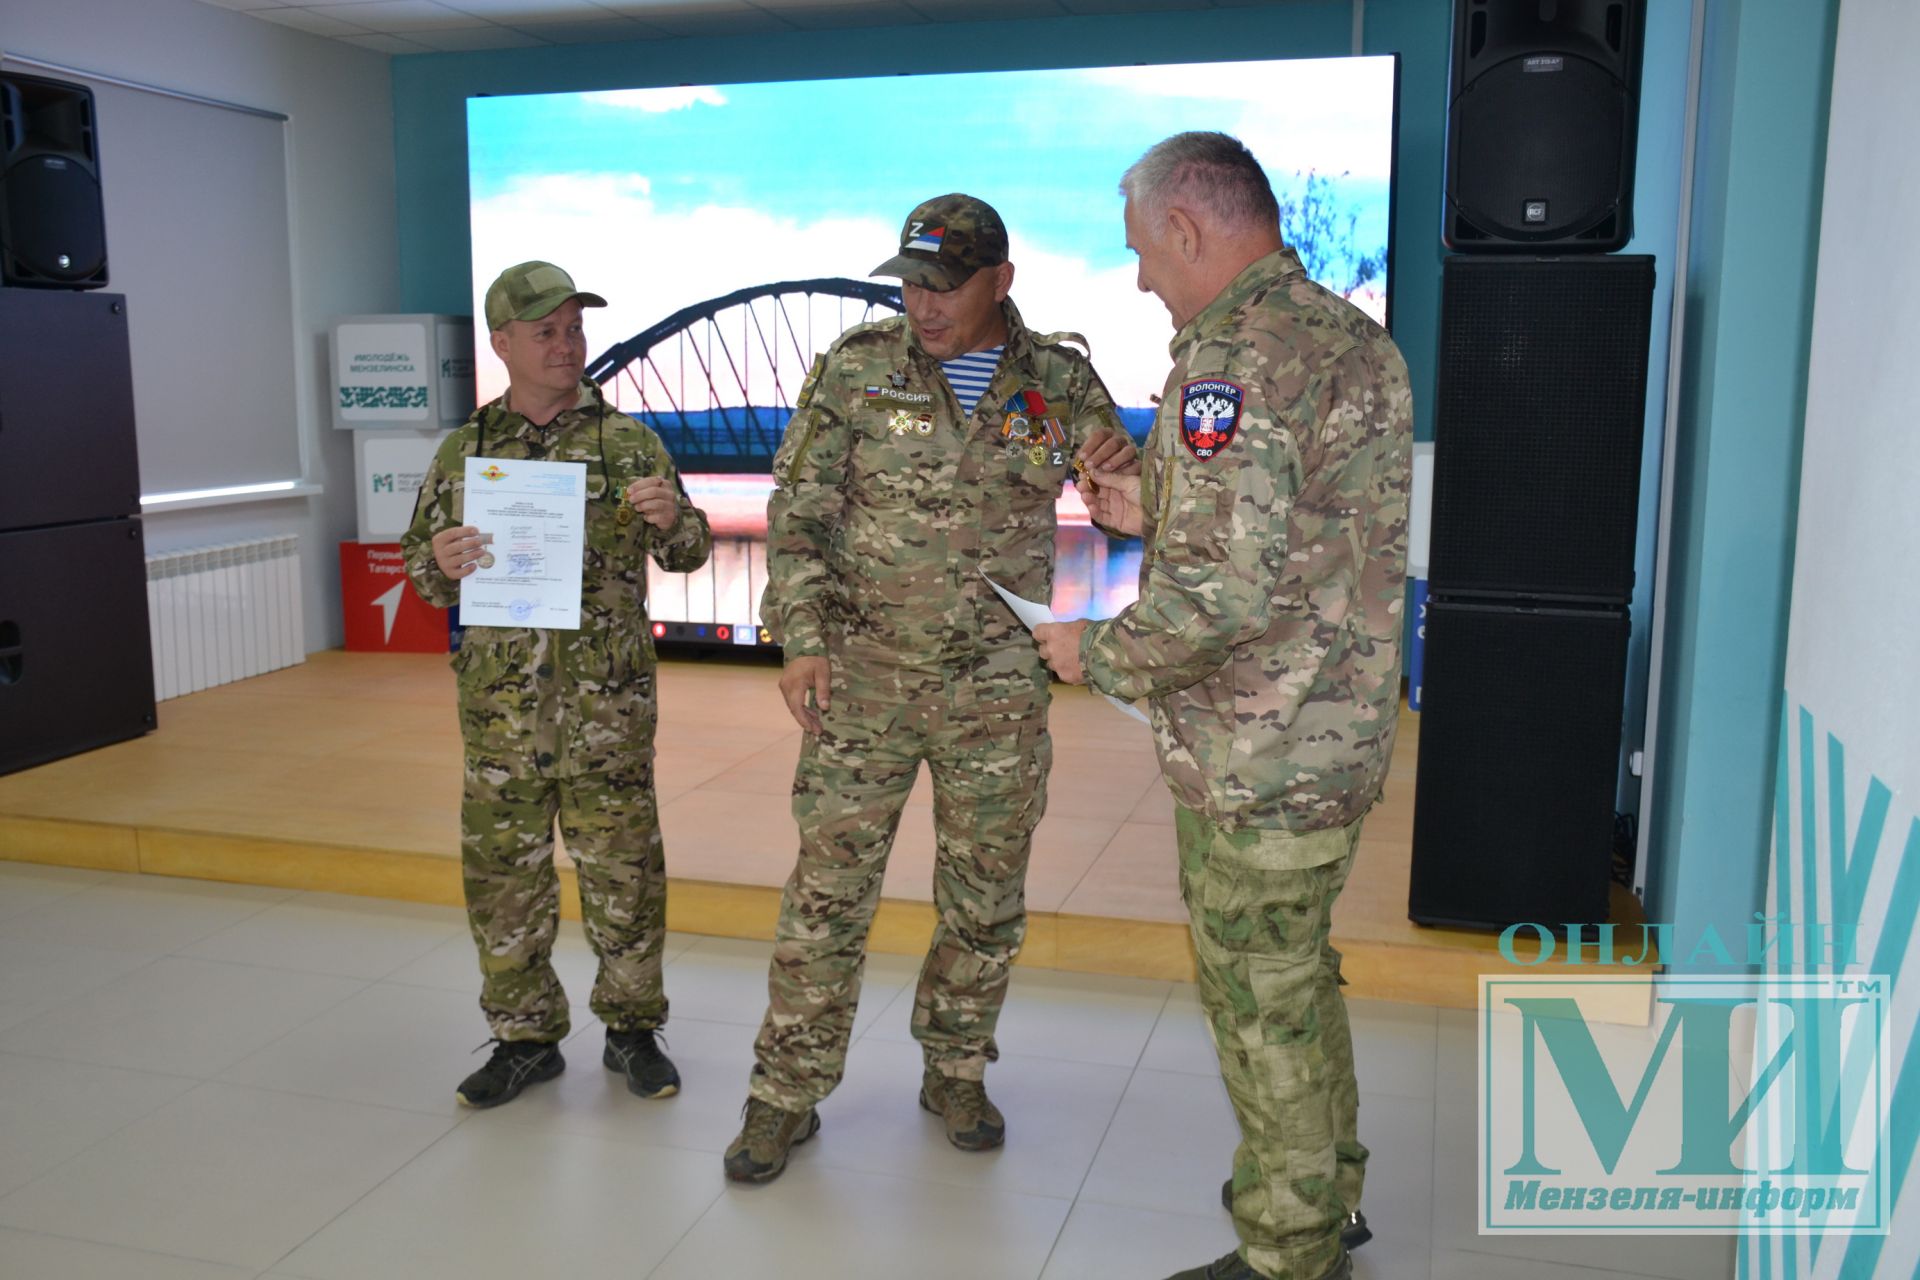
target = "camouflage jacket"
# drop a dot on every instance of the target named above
(561, 703)
(1274, 488)
(888, 504)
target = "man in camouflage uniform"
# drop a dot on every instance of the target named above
(894, 492)
(1274, 512)
(559, 724)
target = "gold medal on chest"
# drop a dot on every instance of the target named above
(623, 516)
(901, 423)
(1037, 455)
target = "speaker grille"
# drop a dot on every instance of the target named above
(1548, 136)
(1542, 117)
(76, 669)
(52, 222)
(1519, 745)
(53, 217)
(1538, 423)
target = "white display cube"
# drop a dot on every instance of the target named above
(388, 466)
(404, 372)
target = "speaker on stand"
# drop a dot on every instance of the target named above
(1542, 119)
(53, 227)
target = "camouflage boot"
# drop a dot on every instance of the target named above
(973, 1123)
(760, 1152)
(1234, 1267)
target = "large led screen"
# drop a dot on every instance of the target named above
(731, 229)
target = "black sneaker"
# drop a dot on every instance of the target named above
(635, 1055)
(515, 1064)
(1354, 1232)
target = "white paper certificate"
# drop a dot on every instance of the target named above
(536, 516)
(1031, 614)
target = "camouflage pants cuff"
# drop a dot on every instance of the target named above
(765, 1089)
(624, 1023)
(1309, 1260)
(972, 1066)
(525, 1031)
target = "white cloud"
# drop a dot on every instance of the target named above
(1327, 114)
(1127, 330)
(656, 101)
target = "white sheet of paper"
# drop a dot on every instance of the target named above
(1031, 614)
(537, 514)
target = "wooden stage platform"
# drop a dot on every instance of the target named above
(343, 774)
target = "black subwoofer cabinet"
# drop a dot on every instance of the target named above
(76, 663)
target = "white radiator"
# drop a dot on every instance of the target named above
(220, 614)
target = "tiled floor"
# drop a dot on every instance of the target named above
(202, 1080)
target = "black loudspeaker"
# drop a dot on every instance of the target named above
(75, 665)
(1519, 740)
(1542, 121)
(66, 409)
(53, 226)
(1538, 423)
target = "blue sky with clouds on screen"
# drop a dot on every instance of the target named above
(663, 197)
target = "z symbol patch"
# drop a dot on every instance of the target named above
(1209, 416)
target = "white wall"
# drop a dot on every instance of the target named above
(1846, 846)
(344, 234)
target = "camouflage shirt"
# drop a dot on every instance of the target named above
(561, 703)
(1274, 489)
(888, 503)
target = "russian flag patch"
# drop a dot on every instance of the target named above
(928, 240)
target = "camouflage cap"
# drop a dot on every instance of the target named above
(945, 241)
(532, 290)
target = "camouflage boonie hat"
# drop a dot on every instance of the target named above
(945, 241)
(530, 291)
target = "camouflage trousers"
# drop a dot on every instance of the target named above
(1261, 905)
(989, 770)
(611, 824)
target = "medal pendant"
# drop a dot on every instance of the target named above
(623, 516)
(486, 560)
(1037, 456)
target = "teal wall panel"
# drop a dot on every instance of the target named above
(1766, 73)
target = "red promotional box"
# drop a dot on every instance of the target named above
(383, 613)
